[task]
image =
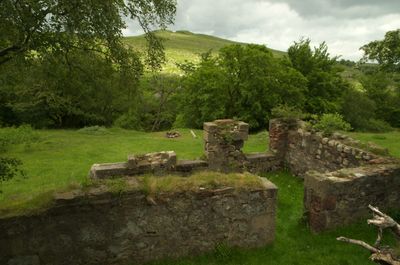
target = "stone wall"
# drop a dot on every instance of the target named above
(305, 150)
(223, 143)
(224, 140)
(341, 180)
(259, 163)
(101, 227)
(342, 197)
(161, 163)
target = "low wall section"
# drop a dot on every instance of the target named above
(101, 227)
(340, 180)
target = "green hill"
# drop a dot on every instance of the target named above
(185, 45)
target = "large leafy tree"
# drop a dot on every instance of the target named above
(31, 27)
(243, 82)
(325, 85)
(382, 84)
(386, 52)
(63, 63)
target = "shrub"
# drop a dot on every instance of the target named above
(24, 134)
(9, 168)
(357, 109)
(94, 130)
(129, 121)
(375, 125)
(286, 112)
(332, 122)
(179, 122)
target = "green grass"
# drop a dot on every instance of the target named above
(390, 140)
(62, 159)
(184, 45)
(153, 185)
(294, 244)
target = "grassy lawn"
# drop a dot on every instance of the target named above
(388, 140)
(62, 159)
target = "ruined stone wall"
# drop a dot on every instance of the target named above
(159, 164)
(342, 197)
(224, 140)
(99, 227)
(340, 180)
(305, 150)
(259, 163)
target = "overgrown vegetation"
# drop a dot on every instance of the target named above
(80, 89)
(329, 123)
(203, 180)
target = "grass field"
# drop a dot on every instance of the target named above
(184, 45)
(61, 159)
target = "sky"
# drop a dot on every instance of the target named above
(345, 25)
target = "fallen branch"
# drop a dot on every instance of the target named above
(193, 134)
(383, 221)
(380, 255)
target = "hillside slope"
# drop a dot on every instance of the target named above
(185, 45)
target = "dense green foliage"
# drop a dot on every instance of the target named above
(331, 122)
(325, 85)
(386, 51)
(63, 63)
(244, 82)
(76, 87)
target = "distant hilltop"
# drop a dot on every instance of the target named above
(184, 45)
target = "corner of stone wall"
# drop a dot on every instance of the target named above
(224, 140)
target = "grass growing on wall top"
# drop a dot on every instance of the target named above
(201, 180)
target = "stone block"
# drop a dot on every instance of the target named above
(111, 170)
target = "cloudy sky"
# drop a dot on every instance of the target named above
(345, 25)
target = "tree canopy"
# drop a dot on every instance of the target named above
(325, 85)
(386, 52)
(31, 27)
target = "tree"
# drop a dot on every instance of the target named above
(325, 85)
(386, 52)
(63, 63)
(32, 28)
(243, 82)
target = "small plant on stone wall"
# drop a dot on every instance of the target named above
(331, 122)
(287, 112)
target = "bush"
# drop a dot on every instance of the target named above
(332, 122)
(179, 122)
(24, 134)
(129, 121)
(94, 130)
(357, 109)
(9, 168)
(287, 112)
(375, 125)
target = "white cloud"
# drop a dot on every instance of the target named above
(345, 25)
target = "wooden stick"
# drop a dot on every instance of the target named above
(383, 221)
(359, 243)
(193, 134)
